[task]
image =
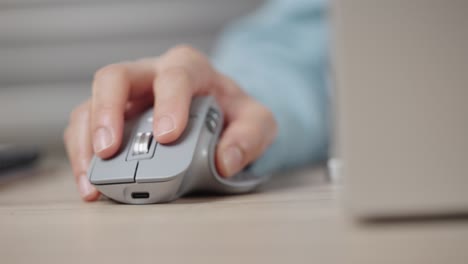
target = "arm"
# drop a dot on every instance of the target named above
(278, 56)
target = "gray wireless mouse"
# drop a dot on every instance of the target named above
(144, 171)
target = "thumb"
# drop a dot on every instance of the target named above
(245, 139)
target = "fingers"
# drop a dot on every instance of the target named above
(113, 87)
(181, 73)
(173, 94)
(251, 129)
(77, 140)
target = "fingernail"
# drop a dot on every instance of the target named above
(232, 160)
(102, 139)
(164, 125)
(84, 187)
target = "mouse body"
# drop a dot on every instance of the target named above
(144, 171)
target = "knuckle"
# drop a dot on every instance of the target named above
(265, 113)
(184, 54)
(184, 49)
(270, 116)
(269, 119)
(181, 79)
(177, 73)
(109, 72)
(272, 120)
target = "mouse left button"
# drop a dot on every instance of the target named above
(113, 171)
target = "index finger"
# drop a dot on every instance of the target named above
(113, 87)
(181, 73)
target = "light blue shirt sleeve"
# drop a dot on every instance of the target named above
(279, 56)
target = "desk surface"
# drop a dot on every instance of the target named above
(295, 218)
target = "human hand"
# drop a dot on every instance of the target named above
(169, 82)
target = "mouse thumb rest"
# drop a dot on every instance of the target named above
(145, 171)
(204, 176)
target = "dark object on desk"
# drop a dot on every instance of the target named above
(14, 157)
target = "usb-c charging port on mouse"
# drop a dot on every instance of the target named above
(140, 195)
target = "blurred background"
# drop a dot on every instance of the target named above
(50, 49)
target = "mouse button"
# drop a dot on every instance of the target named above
(170, 160)
(213, 114)
(113, 171)
(212, 119)
(150, 171)
(211, 124)
(145, 124)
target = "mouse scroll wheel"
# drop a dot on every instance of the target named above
(142, 143)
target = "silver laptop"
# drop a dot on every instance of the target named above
(401, 72)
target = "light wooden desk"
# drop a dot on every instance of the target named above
(294, 219)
